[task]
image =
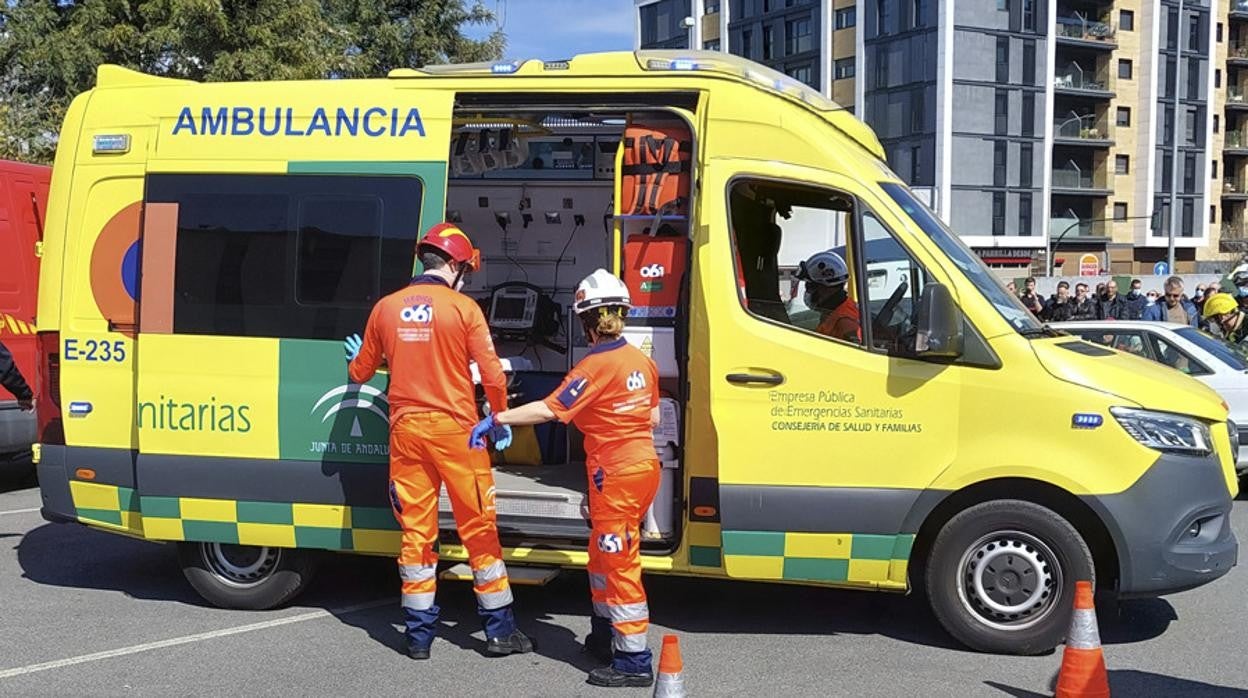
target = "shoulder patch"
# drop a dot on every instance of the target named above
(573, 392)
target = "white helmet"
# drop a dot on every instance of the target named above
(602, 288)
(825, 268)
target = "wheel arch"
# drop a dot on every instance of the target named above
(1082, 517)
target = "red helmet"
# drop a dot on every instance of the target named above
(453, 242)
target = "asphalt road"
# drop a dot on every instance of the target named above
(89, 613)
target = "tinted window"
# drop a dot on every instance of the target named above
(301, 256)
(1228, 354)
(1176, 358)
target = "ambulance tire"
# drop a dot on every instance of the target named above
(1001, 577)
(246, 577)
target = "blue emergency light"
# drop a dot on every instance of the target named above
(1086, 420)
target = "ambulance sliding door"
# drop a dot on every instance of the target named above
(823, 443)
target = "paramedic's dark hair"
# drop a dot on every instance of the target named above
(431, 259)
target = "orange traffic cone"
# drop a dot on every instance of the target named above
(1083, 665)
(671, 683)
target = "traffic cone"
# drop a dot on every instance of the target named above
(671, 682)
(1083, 665)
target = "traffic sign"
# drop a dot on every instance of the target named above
(1161, 269)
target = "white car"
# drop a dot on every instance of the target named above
(1209, 360)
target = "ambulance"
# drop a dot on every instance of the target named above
(208, 246)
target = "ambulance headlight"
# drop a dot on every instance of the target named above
(1161, 431)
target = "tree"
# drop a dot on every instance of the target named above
(50, 49)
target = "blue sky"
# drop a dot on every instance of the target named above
(553, 29)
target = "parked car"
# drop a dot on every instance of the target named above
(1213, 362)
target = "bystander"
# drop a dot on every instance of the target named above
(1175, 307)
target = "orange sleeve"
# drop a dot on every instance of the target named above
(364, 365)
(481, 350)
(573, 394)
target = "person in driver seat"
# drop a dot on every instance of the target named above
(827, 276)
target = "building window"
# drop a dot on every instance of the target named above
(1189, 173)
(1120, 211)
(844, 68)
(1124, 116)
(1189, 210)
(1213, 214)
(915, 162)
(710, 7)
(747, 43)
(999, 163)
(1216, 123)
(1024, 214)
(998, 213)
(1172, 28)
(1217, 77)
(1126, 20)
(1170, 77)
(1189, 126)
(845, 18)
(1193, 33)
(1167, 127)
(769, 43)
(917, 110)
(350, 239)
(1003, 5)
(1219, 31)
(1024, 164)
(711, 45)
(1029, 15)
(916, 14)
(1193, 78)
(1122, 164)
(1029, 114)
(881, 67)
(1003, 59)
(1124, 69)
(1167, 173)
(1002, 112)
(1029, 62)
(1214, 173)
(801, 73)
(883, 19)
(797, 36)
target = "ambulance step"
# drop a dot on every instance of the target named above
(521, 576)
(544, 505)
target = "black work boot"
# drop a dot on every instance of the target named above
(598, 646)
(611, 677)
(515, 643)
(417, 652)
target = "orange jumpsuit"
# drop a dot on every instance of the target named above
(609, 396)
(427, 333)
(847, 317)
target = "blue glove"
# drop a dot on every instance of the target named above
(485, 427)
(352, 344)
(501, 436)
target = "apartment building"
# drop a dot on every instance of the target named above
(1043, 131)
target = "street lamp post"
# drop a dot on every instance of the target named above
(1174, 139)
(1051, 248)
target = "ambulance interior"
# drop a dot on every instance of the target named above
(534, 188)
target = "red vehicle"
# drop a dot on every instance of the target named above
(23, 205)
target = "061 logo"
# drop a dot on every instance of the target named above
(422, 314)
(635, 381)
(653, 271)
(610, 543)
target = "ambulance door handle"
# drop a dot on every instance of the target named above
(749, 378)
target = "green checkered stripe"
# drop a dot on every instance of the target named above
(847, 558)
(282, 524)
(106, 505)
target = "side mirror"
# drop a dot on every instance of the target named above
(939, 324)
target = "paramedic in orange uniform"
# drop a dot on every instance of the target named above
(427, 333)
(612, 396)
(826, 275)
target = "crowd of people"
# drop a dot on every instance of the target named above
(1220, 309)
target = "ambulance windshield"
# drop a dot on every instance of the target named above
(971, 265)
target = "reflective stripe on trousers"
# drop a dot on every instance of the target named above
(491, 600)
(417, 573)
(418, 602)
(622, 613)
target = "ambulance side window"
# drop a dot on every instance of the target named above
(288, 256)
(894, 282)
(792, 266)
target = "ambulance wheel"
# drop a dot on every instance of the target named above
(1001, 577)
(248, 577)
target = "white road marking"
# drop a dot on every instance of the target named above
(19, 511)
(187, 639)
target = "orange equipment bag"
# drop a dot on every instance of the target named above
(654, 268)
(655, 172)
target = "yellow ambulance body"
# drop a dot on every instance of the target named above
(957, 445)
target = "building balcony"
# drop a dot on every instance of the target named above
(1080, 84)
(1235, 143)
(1234, 237)
(1079, 31)
(1074, 182)
(1082, 130)
(1235, 98)
(1073, 230)
(1234, 189)
(1239, 9)
(1237, 53)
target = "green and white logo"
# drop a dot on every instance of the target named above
(324, 417)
